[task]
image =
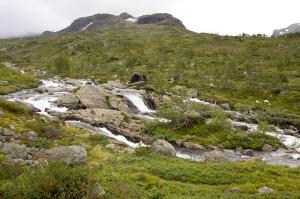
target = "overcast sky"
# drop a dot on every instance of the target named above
(232, 17)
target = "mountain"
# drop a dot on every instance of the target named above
(294, 28)
(105, 21)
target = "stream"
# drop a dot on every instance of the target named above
(50, 90)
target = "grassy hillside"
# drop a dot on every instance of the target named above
(242, 70)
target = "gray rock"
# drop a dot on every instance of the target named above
(136, 77)
(12, 127)
(15, 151)
(265, 190)
(248, 152)
(192, 146)
(215, 156)
(163, 147)
(225, 107)
(6, 132)
(96, 191)
(30, 135)
(1, 113)
(71, 101)
(233, 190)
(71, 155)
(267, 148)
(115, 148)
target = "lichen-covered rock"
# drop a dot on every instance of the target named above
(30, 135)
(163, 147)
(115, 148)
(215, 156)
(71, 155)
(265, 190)
(15, 151)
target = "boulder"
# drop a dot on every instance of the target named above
(225, 107)
(71, 155)
(267, 148)
(6, 132)
(215, 156)
(96, 191)
(120, 104)
(138, 78)
(265, 190)
(15, 151)
(248, 152)
(92, 96)
(30, 135)
(71, 101)
(192, 146)
(117, 121)
(115, 148)
(163, 147)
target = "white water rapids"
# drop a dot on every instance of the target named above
(53, 89)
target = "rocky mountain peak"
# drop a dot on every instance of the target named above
(105, 21)
(294, 28)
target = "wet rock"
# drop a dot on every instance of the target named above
(15, 151)
(265, 190)
(92, 96)
(267, 148)
(138, 78)
(163, 147)
(31, 107)
(115, 148)
(96, 192)
(248, 152)
(233, 190)
(71, 155)
(117, 121)
(290, 132)
(192, 146)
(30, 135)
(225, 107)
(71, 101)
(120, 104)
(215, 156)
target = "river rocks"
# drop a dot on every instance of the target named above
(163, 147)
(265, 190)
(92, 96)
(137, 78)
(248, 152)
(71, 101)
(118, 148)
(71, 155)
(267, 148)
(116, 121)
(214, 156)
(225, 107)
(192, 146)
(14, 151)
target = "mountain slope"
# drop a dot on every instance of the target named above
(106, 21)
(294, 28)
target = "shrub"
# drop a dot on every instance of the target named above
(53, 180)
(42, 143)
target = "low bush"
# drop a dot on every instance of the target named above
(53, 180)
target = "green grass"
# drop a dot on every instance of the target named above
(16, 81)
(243, 69)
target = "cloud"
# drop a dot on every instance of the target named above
(20, 17)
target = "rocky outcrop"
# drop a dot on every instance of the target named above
(294, 28)
(15, 151)
(106, 21)
(71, 155)
(160, 19)
(96, 96)
(116, 121)
(163, 147)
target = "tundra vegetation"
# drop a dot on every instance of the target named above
(243, 71)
